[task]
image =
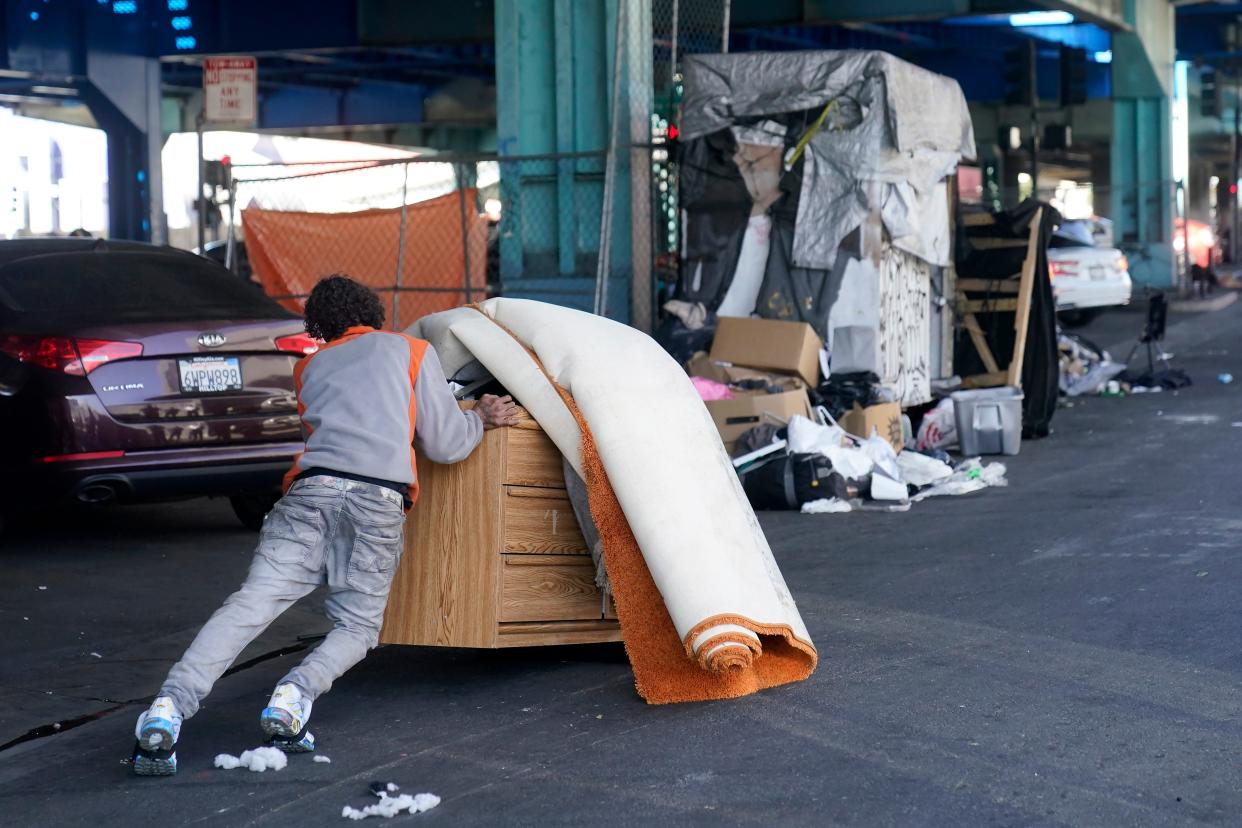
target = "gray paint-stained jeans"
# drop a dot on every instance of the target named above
(330, 530)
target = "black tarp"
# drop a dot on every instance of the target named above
(1040, 366)
(714, 195)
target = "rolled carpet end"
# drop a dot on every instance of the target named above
(725, 653)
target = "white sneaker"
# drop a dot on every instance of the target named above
(156, 731)
(286, 713)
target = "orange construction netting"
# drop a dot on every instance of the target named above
(290, 251)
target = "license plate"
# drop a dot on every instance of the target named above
(210, 375)
(1098, 272)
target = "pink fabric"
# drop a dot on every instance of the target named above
(711, 390)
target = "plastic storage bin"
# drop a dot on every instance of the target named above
(989, 420)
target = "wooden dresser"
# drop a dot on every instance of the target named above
(494, 556)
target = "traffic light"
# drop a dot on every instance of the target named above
(1073, 76)
(1209, 94)
(217, 173)
(1020, 75)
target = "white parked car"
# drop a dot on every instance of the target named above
(1086, 276)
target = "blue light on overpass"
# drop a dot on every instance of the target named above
(1103, 57)
(125, 7)
(1041, 18)
(186, 42)
(181, 23)
(34, 15)
(178, 5)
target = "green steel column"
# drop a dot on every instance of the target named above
(554, 63)
(1141, 164)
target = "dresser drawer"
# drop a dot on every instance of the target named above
(548, 588)
(541, 521)
(531, 459)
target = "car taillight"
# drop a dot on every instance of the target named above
(1123, 263)
(1056, 269)
(62, 353)
(96, 352)
(298, 343)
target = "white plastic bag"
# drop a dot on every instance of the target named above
(806, 437)
(920, 470)
(939, 427)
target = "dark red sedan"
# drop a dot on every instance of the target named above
(130, 372)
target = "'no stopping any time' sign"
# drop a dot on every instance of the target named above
(229, 90)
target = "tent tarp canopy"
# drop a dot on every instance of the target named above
(870, 117)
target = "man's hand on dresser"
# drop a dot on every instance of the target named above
(496, 412)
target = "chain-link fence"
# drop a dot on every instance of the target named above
(432, 233)
(418, 231)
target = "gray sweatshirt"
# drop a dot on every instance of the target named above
(369, 398)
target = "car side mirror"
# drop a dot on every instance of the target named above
(13, 375)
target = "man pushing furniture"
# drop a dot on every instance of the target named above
(368, 399)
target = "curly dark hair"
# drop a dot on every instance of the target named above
(338, 303)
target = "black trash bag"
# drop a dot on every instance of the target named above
(788, 481)
(717, 206)
(840, 392)
(681, 342)
(756, 438)
(1170, 379)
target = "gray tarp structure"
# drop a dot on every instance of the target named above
(892, 124)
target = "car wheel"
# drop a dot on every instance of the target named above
(1078, 317)
(252, 508)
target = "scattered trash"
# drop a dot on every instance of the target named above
(970, 476)
(43, 588)
(826, 506)
(710, 390)
(258, 760)
(1224, 379)
(96, 655)
(321, 759)
(1086, 368)
(919, 470)
(389, 806)
(1235, 425)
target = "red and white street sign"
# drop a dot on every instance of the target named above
(229, 85)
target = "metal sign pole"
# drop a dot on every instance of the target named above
(396, 289)
(610, 172)
(201, 200)
(465, 228)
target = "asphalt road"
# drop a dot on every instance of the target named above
(1067, 650)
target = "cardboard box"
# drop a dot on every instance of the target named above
(701, 365)
(735, 417)
(883, 417)
(769, 344)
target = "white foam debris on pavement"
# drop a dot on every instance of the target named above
(390, 806)
(826, 506)
(258, 760)
(322, 759)
(393, 787)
